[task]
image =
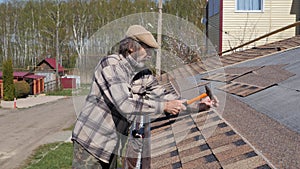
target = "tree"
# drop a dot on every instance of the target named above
(32, 30)
(179, 8)
(8, 81)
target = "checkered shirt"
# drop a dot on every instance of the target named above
(118, 94)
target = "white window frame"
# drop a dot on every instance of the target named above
(250, 11)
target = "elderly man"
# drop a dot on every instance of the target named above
(119, 92)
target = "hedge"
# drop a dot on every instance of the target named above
(22, 89)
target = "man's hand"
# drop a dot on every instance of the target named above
(174, 106)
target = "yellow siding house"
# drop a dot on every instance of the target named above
(233, 22)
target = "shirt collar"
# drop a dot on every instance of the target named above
(132, 61)
(134, 64)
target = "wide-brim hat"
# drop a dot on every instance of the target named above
(139, 33)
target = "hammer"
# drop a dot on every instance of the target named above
(202, 106)
(201, 96)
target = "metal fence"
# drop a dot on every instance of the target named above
(50, 86)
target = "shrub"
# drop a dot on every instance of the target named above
(8, 81)
(22, 89)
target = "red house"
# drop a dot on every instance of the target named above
(47, 68)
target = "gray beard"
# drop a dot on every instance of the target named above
(140, 65)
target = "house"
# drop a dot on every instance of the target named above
(36, 82)
(295, 10)
(257, 124)
(230, 23)
(47, 68)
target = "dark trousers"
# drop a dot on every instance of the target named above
(82, 159)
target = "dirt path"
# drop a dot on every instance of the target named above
(23, 130)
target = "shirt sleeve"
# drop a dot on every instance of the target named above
(117, 90)
(149, 87)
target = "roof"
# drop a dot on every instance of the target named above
(256, 129)
(24, 75)
(281, 100)
(20, 74)
(34, 76)
(52, 63)
(17, 74)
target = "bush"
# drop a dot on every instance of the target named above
(22, 89)
(8, 81)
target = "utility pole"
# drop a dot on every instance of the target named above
(159, 32)
(57, 45)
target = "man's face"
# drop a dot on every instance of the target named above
(143, 55)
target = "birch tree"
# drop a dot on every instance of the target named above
(79, 21)
(32, 30)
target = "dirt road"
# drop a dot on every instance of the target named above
(23, 130)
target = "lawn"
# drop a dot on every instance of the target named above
(55, 156)
(82, 91)
(64, 92)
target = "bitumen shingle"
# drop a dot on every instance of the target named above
(256, 131)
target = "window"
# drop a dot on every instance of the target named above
(213, 7)
(249, 5)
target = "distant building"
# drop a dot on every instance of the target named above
(230, 23)
(47, 68)
(36, 82)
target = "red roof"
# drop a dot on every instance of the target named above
(34, 76)
(17, 74)
(24, 75)
(52, 64)
(20, 74)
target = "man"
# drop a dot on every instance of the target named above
(119, 92)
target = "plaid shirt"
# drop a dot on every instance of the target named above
(117, 95)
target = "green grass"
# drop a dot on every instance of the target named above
(82, 91)
(65, 92)
(51, 156)
(69, 128)
(54, 156)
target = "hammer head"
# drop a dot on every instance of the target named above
(208, 92)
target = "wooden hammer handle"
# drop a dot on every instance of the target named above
(203, 95)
